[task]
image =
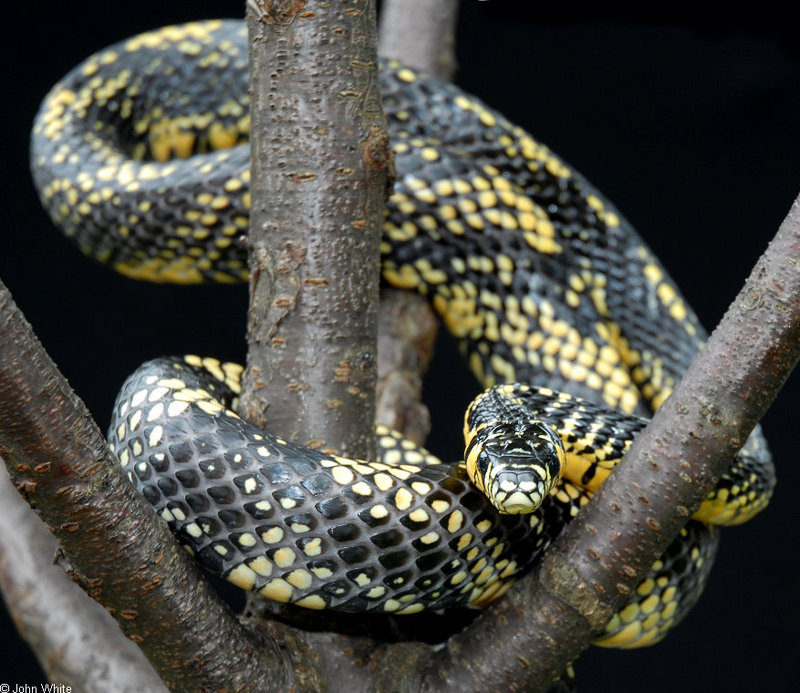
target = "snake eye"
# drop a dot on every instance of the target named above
(519, 466)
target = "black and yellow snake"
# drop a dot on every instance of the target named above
(140, 154)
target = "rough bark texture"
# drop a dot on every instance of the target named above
(76, 640)
(320, 158)
(420, 33)
(406, 336)
(116, 548)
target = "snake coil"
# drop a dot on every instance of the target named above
(140, 154)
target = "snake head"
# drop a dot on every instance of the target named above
(516, 465)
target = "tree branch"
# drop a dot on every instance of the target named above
(421, 33)
(118, 550)
(592, 568)
(320, 159)
(406, 336)
(77, 642)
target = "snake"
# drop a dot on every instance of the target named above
(572, 327)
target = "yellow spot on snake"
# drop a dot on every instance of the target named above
(273, 535)
(242, 576)
(403, 499)
(383, 481)
(455, 522)
(155, 436)
(322, 572)
(361, 488)
(362, 579)
(284, 557)
(279, 590)
(406, 75)
(312, 601)
(378, 511)
(301, 579)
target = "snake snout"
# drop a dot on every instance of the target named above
(517, 491)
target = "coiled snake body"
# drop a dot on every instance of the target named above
(140, 155)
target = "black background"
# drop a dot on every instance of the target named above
(689, 127)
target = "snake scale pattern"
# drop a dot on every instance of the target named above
(563, 313)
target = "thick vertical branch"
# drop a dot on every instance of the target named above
(320, 158)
